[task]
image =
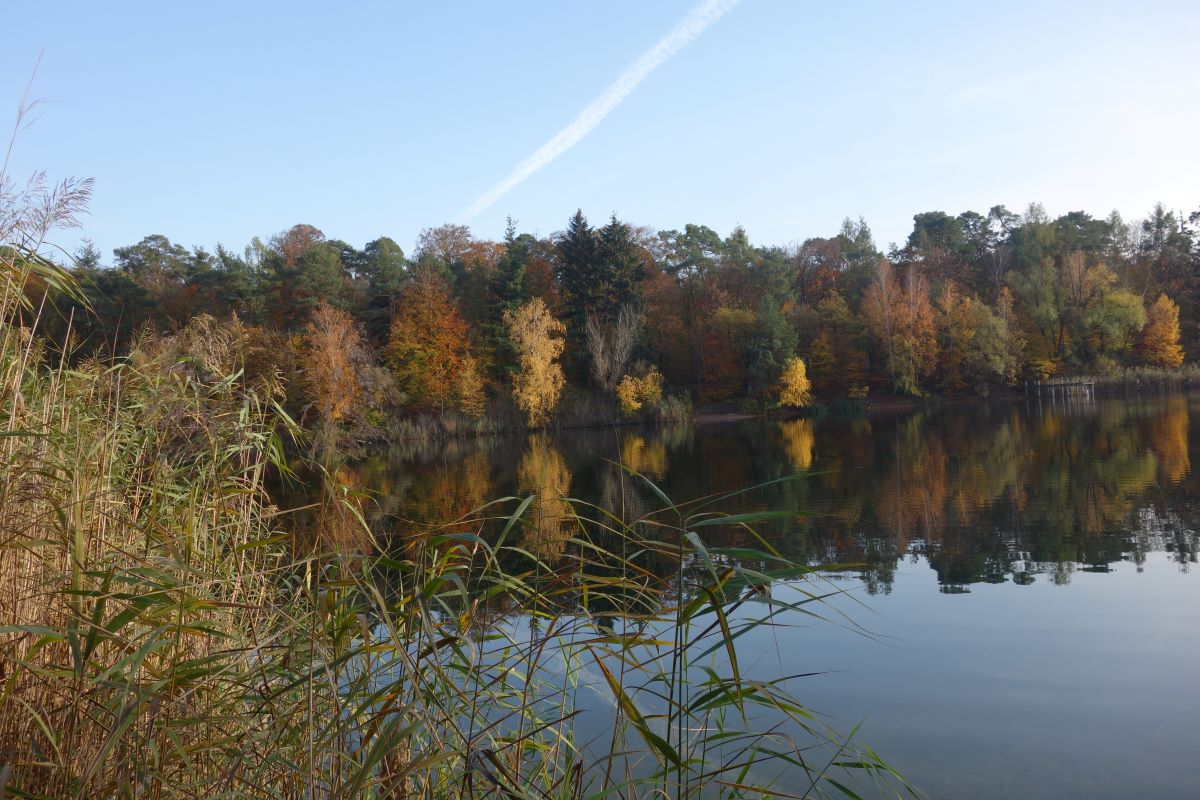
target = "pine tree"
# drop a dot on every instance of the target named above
(772, 343)
(578, 271)
(622, 269)
(508, 290)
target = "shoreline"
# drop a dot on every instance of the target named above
(724, 414)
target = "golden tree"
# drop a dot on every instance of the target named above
(795, 390)
(469, 391)
(1160, 337)
(633, 392)
(537, 337)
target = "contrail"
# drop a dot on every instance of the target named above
(695, 23)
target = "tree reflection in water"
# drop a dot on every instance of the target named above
(983, 493)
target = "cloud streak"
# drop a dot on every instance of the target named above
(697, 20)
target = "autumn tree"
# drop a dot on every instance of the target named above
(667, 335)
(635, 392)
(901, 319)
(334, 352)
(879, 307)
(795, 390)
(956, 333)
(918, 335)
(429, 349)
(837, 361)
(1111, 319)
(726, 335)
(539, 380)
(293, 242)
(1160, 337)
(975, 344)
(469, 393)
(446, 244)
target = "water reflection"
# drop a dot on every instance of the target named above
(543, 474)
(981, 494)
(1088, 690)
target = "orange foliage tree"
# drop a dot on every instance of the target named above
(429, 349)
(901, 319)
(334, 352)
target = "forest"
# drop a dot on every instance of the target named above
(598, 318)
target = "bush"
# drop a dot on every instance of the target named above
(633, 393)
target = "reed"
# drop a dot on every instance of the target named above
(167, 630)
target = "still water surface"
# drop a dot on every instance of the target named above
(1028, 572)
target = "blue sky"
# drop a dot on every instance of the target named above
(222, 121)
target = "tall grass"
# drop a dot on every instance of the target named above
(1143, 378)
(167, 631)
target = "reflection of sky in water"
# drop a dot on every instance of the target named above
(1027, 575)
(1033, 691)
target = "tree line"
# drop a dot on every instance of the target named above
(967, 304)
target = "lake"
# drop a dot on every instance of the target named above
(1026, 572)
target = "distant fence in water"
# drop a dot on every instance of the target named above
(1132, 380)
(1063, 387)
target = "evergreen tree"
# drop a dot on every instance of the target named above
(772, 343)
(622, 270)
(579, 272)
(508, 290)
(383, 265)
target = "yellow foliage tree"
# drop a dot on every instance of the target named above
(537, 337)
(469, 390)
(1160, 337)
(795, 390)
